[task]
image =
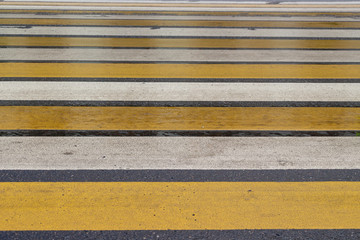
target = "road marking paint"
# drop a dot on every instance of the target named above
(135, 91)
(196, 5)
(172, 70)
(142, 153)
(178, 23)
(163, 42)
(184, 55)
(148, 9)
(190, 32)
(179, 118)
(179, 206)
(160, 17)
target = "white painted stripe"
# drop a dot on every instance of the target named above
(234, 18)
(152, 1)
(218, 9)
(256, 2)
(137, 1)
(179, 153)
(178, 55)
(118, 31)
(322, 2)
(138, 91)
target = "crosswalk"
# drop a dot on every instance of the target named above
(179, 120)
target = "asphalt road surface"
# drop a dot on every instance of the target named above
(180, 120)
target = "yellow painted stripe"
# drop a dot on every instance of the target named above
(179, 206)
(160, 70)
(192, 5)
(178, 43)
(177, 23)
(179, 118)
(183, 13)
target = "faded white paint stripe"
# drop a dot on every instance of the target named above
(69, 54)
(218, 9)
(215, 32)
(137, 91)
(179, 153)
(295, 2)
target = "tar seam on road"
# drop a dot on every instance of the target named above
(180, 103)
(208, 80)
(297, 175)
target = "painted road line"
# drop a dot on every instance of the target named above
(182, 42)
(196, 5)
(179, 118)
(184, 55)
(190, 32)
(225, 12)
(178, 70)
(182, 175)
(201, 153)
(159, 17)
(178, 23)
(135, 91)
(179, 206)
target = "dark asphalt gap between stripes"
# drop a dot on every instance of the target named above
(177, 13)
(182, 20)
(175, 133)
(314, 234)
(208, 80)
(185, 48)
(158, 27)
(170, 175)
(179, 37)
(183, 62)
(180, 103)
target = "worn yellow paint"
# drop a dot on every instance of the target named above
(150, 42)
(179, 118)
(192, 5)
(183, 13)
(179, 206)
(179, 70)
(178, 23)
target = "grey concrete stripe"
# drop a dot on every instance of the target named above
(109, 31)
(71, 54)
(179, 153)
(158, 91)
